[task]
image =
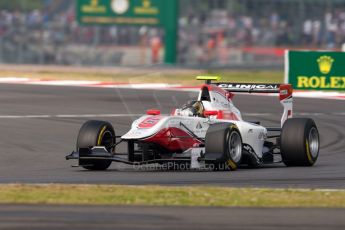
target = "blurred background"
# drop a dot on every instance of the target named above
(212, 33)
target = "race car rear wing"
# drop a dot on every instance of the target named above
(284, 91)
(249, 87)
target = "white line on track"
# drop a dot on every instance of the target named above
(152, 86)
(138, 115)
(67, 116)
(297, 114)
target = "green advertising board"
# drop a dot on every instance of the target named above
(315, 70)
(160, 13)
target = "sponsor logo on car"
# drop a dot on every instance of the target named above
(249, 86)
(262, 136)
(199, 126)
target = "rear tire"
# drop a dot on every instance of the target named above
(299, 142)
(96, 133)
(223, 143)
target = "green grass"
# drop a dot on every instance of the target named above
(174, 77)
(168, 196)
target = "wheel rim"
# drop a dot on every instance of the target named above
(313, 142)
(107, 140)
(235, 146)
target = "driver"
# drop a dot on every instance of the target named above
(193, 108)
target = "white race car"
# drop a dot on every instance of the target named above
(207, 132)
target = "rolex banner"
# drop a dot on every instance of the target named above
(315, 70)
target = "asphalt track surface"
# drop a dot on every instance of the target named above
(39, 126)
(132, 217)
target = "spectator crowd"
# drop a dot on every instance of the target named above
(199, 34)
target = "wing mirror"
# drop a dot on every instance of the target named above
(210, 113)
(153, 112)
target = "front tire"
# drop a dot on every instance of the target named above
(96, 133)
(223, 143)
(299, 142)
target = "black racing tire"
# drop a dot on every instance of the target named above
(223, 144)
(299, 142)
(96, 133)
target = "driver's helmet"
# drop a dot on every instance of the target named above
(193, 108)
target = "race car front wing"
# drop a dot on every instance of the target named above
(100, 153)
